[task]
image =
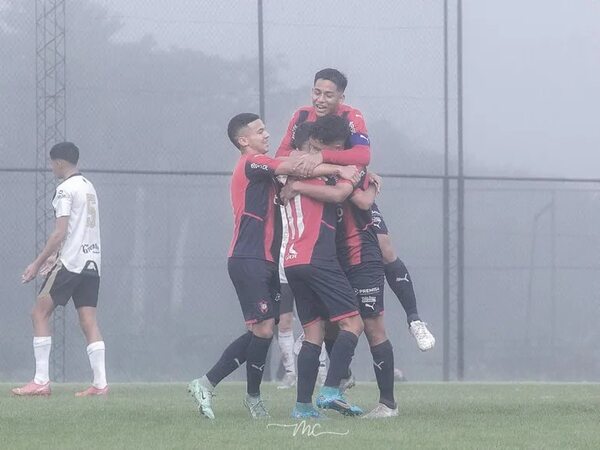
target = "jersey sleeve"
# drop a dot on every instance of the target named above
(359, 151)
(260, 166)
(62, 202)
(285, 148)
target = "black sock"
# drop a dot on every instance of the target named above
(232, 358)
(400, 281)
(329, 347)
(341, 356)
(255, 363)
(383, 364)
(308, 366)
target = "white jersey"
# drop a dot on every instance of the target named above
(76, 198)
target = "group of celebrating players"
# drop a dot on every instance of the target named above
(307, 231)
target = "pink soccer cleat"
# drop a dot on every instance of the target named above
(32, 388)
(92, 391)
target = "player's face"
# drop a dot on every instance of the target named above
(325, 97)
(56, 166)
(255, 136)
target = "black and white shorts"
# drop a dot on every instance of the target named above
(256, 283)
(63, 285)
(368, 281)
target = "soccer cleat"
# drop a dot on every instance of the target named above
(347, 383)
(322, 375)
(256, 407)
(424, 338)
(306, 411)
(92, 391)
(381, 412)
(288, 381)
(32, 388)
(203, 396)
(332, 398)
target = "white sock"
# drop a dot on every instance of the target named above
(95, 352)
(41, 351)
(286, 346)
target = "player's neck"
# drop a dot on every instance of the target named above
(250, 152)
(70, 172)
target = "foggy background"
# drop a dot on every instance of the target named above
(151, 86)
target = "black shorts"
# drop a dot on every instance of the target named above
(257, 285)
(321, 292)
(368, 281)
(63, 285)
(378, 222)
(286, 301)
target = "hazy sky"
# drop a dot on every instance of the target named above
(531, 67)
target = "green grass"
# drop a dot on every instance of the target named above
(436, 416)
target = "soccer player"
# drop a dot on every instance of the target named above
(360, 257)
(251, 262)
(321, 290)
(328, 99)
(285, 332)
(71, 262)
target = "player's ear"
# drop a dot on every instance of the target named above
(242, 141)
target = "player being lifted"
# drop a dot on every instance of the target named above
(328, 98)
(251, 262)
(71, 262)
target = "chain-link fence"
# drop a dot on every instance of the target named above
(150, 88)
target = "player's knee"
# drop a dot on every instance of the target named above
(264, 329)
(387, 249)
(40, 311)
(352, 324)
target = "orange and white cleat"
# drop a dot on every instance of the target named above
(92, 391)
(32, 388)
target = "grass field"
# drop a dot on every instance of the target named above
(436, 416)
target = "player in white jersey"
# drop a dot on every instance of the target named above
(71, 262)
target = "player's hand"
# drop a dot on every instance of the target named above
(350, 173)
(48, 265)
(30, 272)
(288, 192)
(307, 163)
(375, 180)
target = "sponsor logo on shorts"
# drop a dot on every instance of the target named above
(368, 291)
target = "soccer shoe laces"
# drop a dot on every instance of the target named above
(258, 407)
(420, 329)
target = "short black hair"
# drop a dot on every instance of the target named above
(66, 151)
(237, 123)
(330, 128)
(333, 75)
(302, 134)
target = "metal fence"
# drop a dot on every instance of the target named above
(149, 89)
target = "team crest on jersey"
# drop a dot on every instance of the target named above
(263, 306)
